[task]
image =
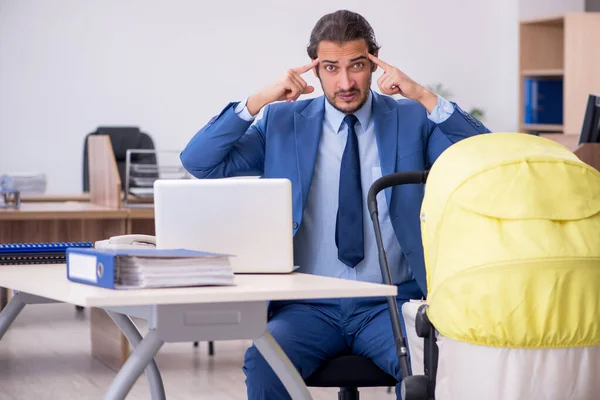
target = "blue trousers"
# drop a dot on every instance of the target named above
(311, 332)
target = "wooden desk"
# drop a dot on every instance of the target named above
(82, 197)
(568, 140)
(61, 211)
(141, 220)
(590, 154)
(37, 198)
(60, 222)
(184, 314)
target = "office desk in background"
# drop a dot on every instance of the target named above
(41, 222)
(60, 221)
(53, 198)
(84, 217)
(139, 219)
(78, 197)
(183, 314)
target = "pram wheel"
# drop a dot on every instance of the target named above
(415, 387)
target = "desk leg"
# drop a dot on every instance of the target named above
(283, 367)
(14, 307)
(126, 325)
(134, 366)
(10, 313)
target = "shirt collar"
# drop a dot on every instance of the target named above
(335, 117)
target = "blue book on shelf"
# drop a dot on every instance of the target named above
(527, 104)
(143, 268)
(543, 100)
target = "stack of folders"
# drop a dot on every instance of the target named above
(148, 268)
(24, 182)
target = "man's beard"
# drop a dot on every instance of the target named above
(355, 90)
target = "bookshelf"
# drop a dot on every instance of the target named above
(562, 47)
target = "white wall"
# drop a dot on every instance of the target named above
(67, 66)
(541, 8)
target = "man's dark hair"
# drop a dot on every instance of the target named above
(341, 26)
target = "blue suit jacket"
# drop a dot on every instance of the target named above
(284, 143)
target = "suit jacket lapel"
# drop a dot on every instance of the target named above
(386, 135)
(308, 125)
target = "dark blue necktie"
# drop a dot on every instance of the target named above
(349, 224)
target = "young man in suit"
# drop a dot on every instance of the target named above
(332, 148)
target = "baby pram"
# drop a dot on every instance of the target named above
(510, 227)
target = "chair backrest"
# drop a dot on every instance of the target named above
(123, 138)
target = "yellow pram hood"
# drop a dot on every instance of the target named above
(511, 236)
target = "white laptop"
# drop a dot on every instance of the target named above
(248, 218)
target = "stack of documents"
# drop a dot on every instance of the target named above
(24, 182)
(148, 268)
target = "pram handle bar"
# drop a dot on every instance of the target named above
(398, 178)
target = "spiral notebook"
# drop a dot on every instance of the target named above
(38, 253)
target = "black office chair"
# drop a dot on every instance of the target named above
(122, 138)
(349, 373)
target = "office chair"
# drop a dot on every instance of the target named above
(350, 372)
(122, 138)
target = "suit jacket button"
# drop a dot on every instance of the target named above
(295, 225)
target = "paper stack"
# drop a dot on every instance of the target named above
(148, 268)
(24, 182)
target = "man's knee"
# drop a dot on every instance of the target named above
(256, 368)
(261, 381)
(255, 364)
